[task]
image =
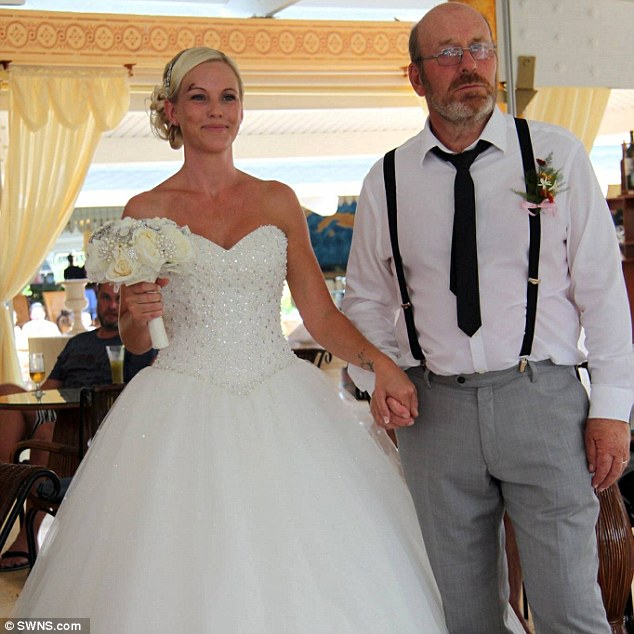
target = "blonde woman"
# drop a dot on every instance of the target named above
(230, 490)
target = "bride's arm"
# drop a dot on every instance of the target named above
(331, 328)
(139, 303)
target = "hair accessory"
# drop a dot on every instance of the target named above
(168, 75)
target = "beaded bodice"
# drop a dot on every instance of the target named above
(222, 312)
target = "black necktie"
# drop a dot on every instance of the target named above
(463, 278)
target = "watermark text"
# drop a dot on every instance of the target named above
(81, 626)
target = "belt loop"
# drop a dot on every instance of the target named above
(426, 376)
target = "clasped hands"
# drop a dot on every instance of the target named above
(394, 401)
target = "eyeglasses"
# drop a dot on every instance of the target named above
(453, 55)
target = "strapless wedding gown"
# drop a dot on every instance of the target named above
(231, 490)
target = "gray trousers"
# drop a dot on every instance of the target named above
(513, 441)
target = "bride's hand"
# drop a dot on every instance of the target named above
(144, 301)
(395, 399)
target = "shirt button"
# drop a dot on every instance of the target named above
(461, 379)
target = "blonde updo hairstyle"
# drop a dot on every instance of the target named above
(173, 75)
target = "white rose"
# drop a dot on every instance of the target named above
(121, 267)
(125, 225)
(147, 247)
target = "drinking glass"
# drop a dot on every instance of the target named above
(115, 356)
(37, 372)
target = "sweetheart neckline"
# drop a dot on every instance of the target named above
(242, 239)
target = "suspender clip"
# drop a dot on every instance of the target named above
(523, 364)
(406, 306)
(532, 280)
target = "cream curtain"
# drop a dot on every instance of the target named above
(580, 110)
(56, 117)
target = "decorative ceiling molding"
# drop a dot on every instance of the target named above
(75, 38)
(273, 55)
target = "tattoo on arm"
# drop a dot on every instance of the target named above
(366, 364)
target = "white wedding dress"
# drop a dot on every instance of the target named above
(231, 490)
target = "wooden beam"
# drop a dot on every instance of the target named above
(525, 83)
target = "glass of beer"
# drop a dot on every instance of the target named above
(115, 356)
(37, 372)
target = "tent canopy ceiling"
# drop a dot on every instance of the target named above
(349, 125)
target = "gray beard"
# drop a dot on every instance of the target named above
(460, 113)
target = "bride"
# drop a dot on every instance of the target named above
(230, 490)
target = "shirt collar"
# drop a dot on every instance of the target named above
(495, 131)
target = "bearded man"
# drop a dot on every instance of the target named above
(498, 249)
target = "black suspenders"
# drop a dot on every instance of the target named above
(408, 310)
(528, 162)
(534, 225)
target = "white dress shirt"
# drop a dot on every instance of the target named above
(581, 280)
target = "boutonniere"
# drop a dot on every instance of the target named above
(542, 185)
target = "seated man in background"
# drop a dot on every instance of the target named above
(82, 363)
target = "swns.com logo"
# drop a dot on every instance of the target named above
(82, 626)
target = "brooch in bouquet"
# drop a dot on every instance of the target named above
(542, 185)
(128, 251)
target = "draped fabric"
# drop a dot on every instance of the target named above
(579, 110)
(56, 117)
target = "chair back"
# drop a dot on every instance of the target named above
(16, 481)
(94, 403)
(65, 455)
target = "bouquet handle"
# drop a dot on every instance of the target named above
(157, 333)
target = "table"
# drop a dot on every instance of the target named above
(68, 428)
(64, 398)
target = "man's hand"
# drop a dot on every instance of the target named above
(607, 450)
(399, 414)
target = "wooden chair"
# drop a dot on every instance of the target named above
(72, 435)
(95, 403)
(616, 558)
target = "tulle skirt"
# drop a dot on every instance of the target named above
(201, 511)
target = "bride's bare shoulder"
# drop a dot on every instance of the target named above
(276, 203)
(152, 203)
(272, 192)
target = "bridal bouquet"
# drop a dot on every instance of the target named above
(128, 251)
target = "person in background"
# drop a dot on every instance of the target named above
(502, 426)
(72, 271)
(39, 325)
(91, 297)
(83, 362)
